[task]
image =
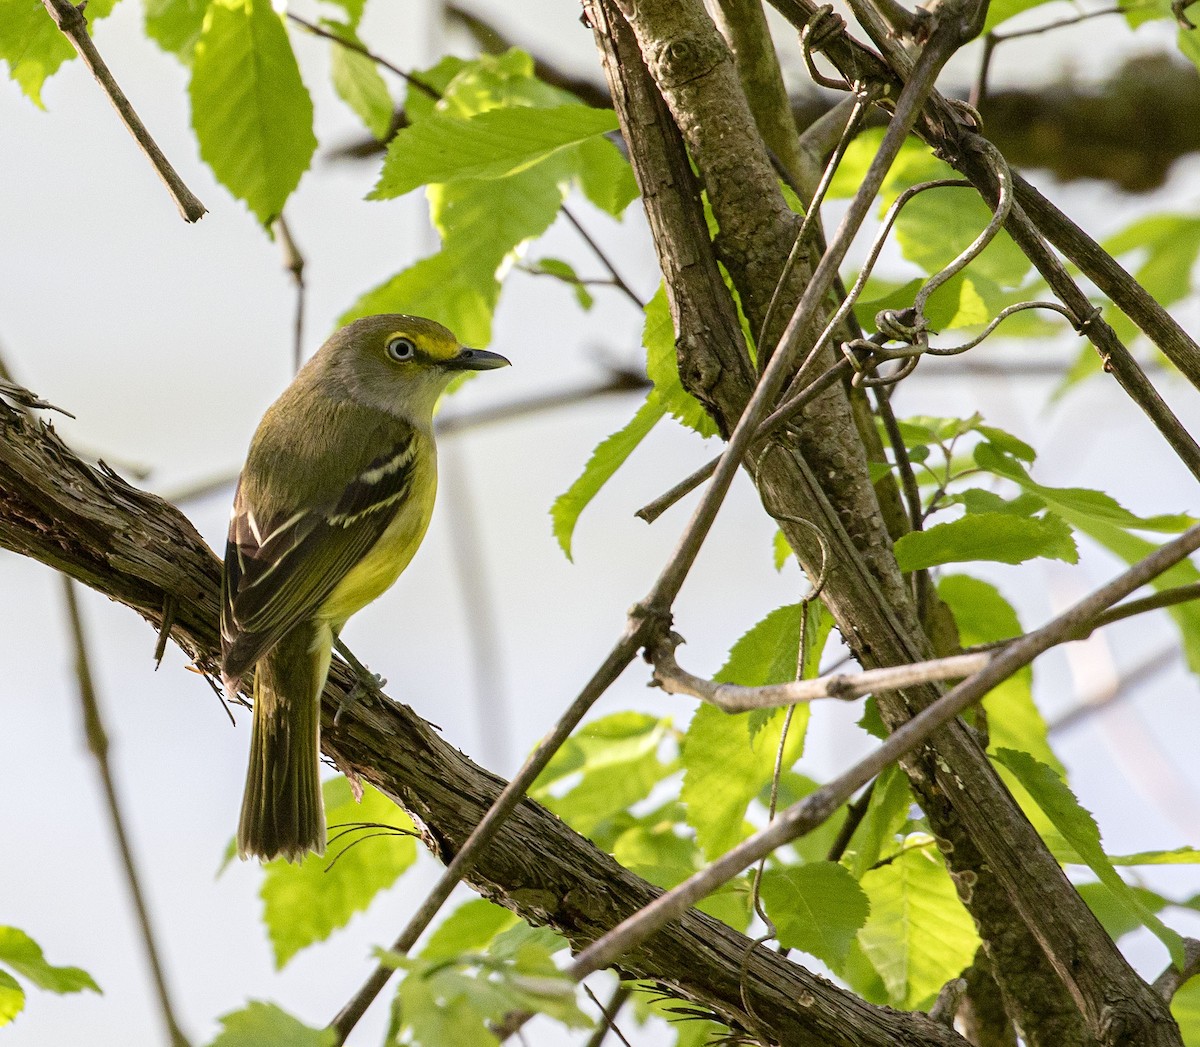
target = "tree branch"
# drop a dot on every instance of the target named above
(136, 549)
(73, 25)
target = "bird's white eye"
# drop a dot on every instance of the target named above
(401, 349)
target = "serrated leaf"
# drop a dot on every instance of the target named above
(21, 953)
(617, 762)
(492, 144)
(886, 816)
(662, 366)
(935, 227)
(918, 935)
(817, 908)
(251, 112)
(33, 46)
(727, 759)
(1114, 915)
(260, 1024)
(606, 459)
(1079, 829)
(1000, 537)
(470, 928)
(1185, 1009)
(605, 176)
(175, 25)
(1077, 504)
(447, 287)
(984, 616)
(12, 998)
(357, 82)
(305, 903)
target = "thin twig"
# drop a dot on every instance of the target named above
(353, 45)
(609, 1012)
(855, 813)
(293, 262)
(598, 251)
(97, 743)
(74, 27)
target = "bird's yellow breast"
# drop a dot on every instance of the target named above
(387, 558)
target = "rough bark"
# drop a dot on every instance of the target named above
(139, 550)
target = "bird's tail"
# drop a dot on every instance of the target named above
(282, 811)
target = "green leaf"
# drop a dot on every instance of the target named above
(470, 928)
(727, 759)
(12, 998)
(357, 82)
(1079, 829)
(817, 908)
(936, 226)
(1114, 915)
(1001, 537)
(605, 176)
(606, 459)
(260, 1024)
(1178, 856)
(886, 816)
(305, 903)
(618, 763)
(1185, 1009)
(984, 616)
(1171, 243)
(1076, 504)
(565, 272)
(918, 935)
(33, 46)
(24, 955)
(352, 8)
(252, 114)
(781, 551)
(175, 25)
(662, 366)
(493, 144)
(1002, 10)
(446, 287)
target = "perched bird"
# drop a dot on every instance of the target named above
(332, 503)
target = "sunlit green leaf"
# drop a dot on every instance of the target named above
(358, 83)
(470, 928)
(493, 144)
(252, 114)
(918, 935)
(12, 998)
(617, 761)
(23, 955)
(1177, 856)
(1079, 828)
(984, 616)
(886, 816)
(260, 1024)
(605, 176)
(1000, 537)
(658, 336)
(606, 459)
(817, 908)
(1185, 1009)
(1171, 244)
(175, 25)
(1114, 915)
(33, 46)
(305, 903)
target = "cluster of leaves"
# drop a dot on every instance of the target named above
(23, 956)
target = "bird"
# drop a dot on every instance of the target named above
(332, 503)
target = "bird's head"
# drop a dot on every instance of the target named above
(400, 364)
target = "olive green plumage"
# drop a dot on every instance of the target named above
(333, 501)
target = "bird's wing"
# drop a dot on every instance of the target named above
(279, 571)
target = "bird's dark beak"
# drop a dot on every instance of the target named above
(475, 360)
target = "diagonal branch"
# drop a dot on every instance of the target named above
(137, 549)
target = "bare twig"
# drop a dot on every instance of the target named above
(97, 743)
(1172, 978)
(733, 698)
(352, 45)
(293, 262)
(74, 27)
(609, 1011)
(598, 251)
